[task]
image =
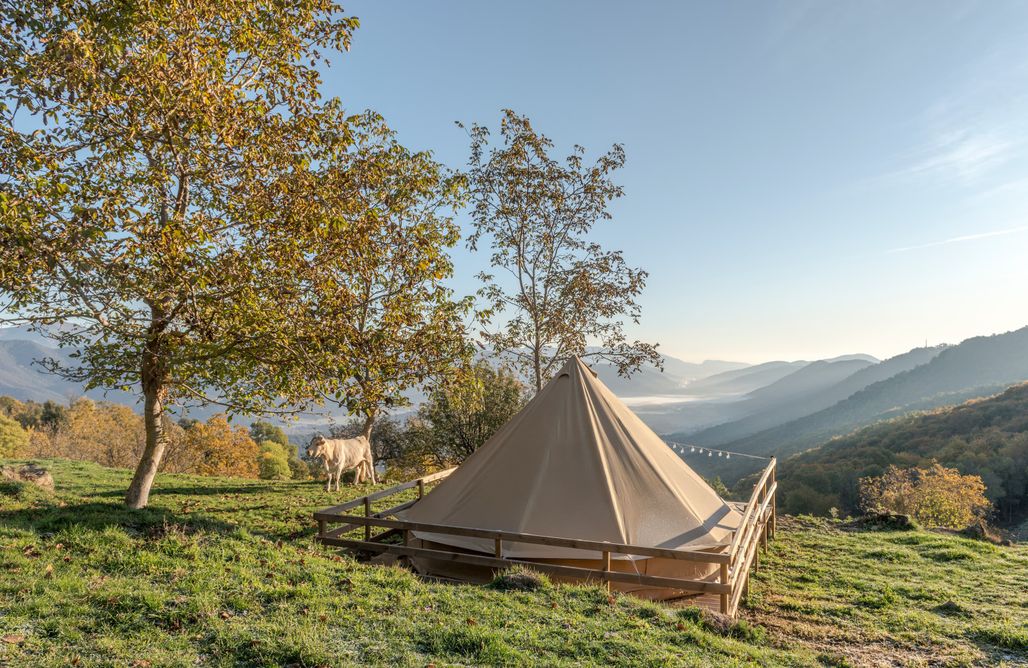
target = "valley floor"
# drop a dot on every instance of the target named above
(225, 572)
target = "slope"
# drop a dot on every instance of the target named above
(224, 572)
(985, 437)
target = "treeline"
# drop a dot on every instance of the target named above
(987, 438)
(458, 417)
(114, 435)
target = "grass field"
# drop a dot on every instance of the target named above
(225, 572)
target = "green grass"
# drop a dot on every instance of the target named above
(225, 572)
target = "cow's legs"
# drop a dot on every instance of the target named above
(328, 485)
(369, 463)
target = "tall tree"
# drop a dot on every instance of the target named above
(462, 413)
(560, 292)
(176, 195)
(399, 322)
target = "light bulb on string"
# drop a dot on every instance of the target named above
(728, 455)
(710, 454)
(692, 449)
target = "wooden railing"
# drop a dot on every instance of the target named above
(733, 565)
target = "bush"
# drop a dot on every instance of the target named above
(723, 625)
(520, 578)
(934, 496)
(273, 461)
(14, 440)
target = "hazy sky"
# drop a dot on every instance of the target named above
(804, 179)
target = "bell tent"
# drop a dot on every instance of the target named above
(577, 463)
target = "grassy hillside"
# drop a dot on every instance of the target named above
(224, 572)
(986, 437)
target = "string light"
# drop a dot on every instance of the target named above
(680, 447)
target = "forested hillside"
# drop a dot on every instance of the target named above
(986, 437)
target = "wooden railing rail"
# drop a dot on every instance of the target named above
(758, 489)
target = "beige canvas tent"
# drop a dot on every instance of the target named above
(577, 463)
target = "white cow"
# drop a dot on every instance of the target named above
(343, 454)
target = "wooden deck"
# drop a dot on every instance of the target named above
(723, 595)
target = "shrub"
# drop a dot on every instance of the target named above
(273, 461)
(14, 440)
(520, 578)
(723, 625)
(935, 496)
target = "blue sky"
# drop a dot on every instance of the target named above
(804, 179)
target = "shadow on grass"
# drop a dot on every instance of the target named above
(95, 516)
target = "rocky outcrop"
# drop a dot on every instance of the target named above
(29, 473)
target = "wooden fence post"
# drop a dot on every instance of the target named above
(606, 566)
(774, 501)
(421, 487)
(367, 513)
(499, 548)
(724, 597)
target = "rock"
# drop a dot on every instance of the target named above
(30, 473)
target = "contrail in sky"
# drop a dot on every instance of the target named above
(966, 237)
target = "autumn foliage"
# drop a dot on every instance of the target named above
(935, 496)
(216, 448)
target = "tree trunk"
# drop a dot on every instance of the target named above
(537, 361)
(155, 392)
(369, 423)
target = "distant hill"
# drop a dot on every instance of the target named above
(649, 381)
(986, 437)
(692, 371)
(978, 367)
(813, 388)
(22, 378)
(741, 381)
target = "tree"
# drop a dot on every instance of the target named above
(49, 417)
(109, 434)
(562, 292)
(935, 496)
(298, 469)
(398, 322)
(273, 461)
(261, 431)
(462, 414)
(178, 197)
(14, 440)
(216, 448)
